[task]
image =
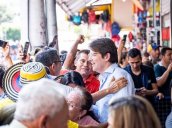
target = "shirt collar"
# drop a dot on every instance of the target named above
(111, 68)
(17, 124)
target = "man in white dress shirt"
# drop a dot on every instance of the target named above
(104, 60)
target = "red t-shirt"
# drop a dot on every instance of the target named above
(92, 84)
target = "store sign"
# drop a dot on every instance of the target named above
(165, 8)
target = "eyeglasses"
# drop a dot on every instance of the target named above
(59, 61)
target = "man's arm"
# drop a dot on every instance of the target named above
(120, 48)
(162, 79)
(72, 53)
(115, 86)
(146, 92)
(105, 125)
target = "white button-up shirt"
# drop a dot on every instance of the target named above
(101, 106)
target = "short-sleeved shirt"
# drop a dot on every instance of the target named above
(159, 71)
(144, 79)
(92, 84)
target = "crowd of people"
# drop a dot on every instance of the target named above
(103, 86)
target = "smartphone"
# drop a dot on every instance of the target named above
(124, 38)
(138, 90)
(25, 49)
(3, 43)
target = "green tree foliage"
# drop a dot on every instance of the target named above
(13, 34)
(5, 15)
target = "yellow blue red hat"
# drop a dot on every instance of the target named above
(21, 74)
(152, 46)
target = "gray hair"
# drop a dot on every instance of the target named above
(85, 97)
(39, 98)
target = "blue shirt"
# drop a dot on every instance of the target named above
(100, 109)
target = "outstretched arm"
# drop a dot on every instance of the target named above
(72, 53)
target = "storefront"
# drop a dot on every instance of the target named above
(166, 23)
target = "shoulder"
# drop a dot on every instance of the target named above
(157, 66)
(146, 68)
(121, 70)
(127, 68)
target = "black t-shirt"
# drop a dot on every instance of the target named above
(137, 80)
(144, 79)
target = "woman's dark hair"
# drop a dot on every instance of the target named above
(88, 102)
(72, 77)
(88, 99)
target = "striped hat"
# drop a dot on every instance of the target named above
(21, 74)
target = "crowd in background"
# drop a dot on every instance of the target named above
(103, 86)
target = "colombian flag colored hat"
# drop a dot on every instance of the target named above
(20, 75)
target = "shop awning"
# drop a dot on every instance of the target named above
(72, 6)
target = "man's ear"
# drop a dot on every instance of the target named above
(107, 56)
(82, 113)
(43, 121)
(53, 66)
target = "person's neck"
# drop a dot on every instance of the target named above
(136, 72)
(164, 64)
(85, 77)
(106, 66)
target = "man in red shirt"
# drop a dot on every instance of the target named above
(84, 67)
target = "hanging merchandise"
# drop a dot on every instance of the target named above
(91, 16)
(140, 17)
(115, 29)
(77, 19)
(85, 16)
(70, 18)
(130, 36)
(116, 38)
